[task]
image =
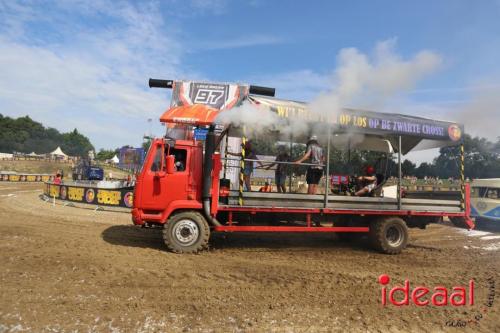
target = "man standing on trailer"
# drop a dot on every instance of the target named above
(281, 169)
(248, 165)
(314, 152)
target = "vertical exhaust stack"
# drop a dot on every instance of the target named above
(207, 175)
(208, 162)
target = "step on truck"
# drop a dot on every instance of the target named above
(191, 186)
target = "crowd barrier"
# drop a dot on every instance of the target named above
(20, 177)
(114, 197)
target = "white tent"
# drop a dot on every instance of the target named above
(114, 160)
(6, 156)
(59, 153)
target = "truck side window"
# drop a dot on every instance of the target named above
(180, 158)
(155, 166)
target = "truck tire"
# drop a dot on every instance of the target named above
(389, 235)
(186, 232)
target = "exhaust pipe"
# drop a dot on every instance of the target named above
(207, 173)
(255, 90)
(264, 91)
(155, 83)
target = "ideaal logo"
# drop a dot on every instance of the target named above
(440, 296)
(423, 296)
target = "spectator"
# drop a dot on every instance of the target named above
(266, 188)
(248, 165)
(281, 169)
(314, 153)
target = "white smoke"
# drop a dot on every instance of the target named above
(250, 116)
(481, 116)
(359, 81)
(369, 83)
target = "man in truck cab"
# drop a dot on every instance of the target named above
(314, 153)
(368, 182)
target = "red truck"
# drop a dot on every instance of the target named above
(180, 188)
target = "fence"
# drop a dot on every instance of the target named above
(91, 194)
(20, 177)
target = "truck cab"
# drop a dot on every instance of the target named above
(170, 179)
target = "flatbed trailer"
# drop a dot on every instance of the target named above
(192, 201)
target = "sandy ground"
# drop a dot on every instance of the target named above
(71, 269)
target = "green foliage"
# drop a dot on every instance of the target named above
(25, 135)
(408, 168)
(105, 154)
(482, 159)
(424, 169)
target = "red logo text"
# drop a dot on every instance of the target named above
(423, 296)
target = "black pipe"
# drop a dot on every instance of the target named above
(207, 174)
(264, 91)
(208, 162)
(156, 83)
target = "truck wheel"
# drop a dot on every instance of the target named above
(389, 235)
(186, 232)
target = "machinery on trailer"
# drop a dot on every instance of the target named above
(182, 185)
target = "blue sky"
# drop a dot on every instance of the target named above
(85, 64)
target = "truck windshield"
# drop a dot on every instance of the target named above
(156, 165)
(147, 158)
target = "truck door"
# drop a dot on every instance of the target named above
(159, 188)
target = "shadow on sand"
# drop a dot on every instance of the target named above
(133, 236)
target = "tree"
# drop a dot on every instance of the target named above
(104, 154)
(25, 135)
(408, 168)
(75, 144)
(481, 159)
(425, 170)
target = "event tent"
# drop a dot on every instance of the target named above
(59, 153)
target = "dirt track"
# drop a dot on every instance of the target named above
(72, 269)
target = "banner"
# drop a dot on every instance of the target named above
(397, 124)
(219, 96)
(120, 197)
(131, 158)
(17, 177)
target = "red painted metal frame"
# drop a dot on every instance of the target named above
(468, 220)
(289, 229)
(217, 166)
(334, 211)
